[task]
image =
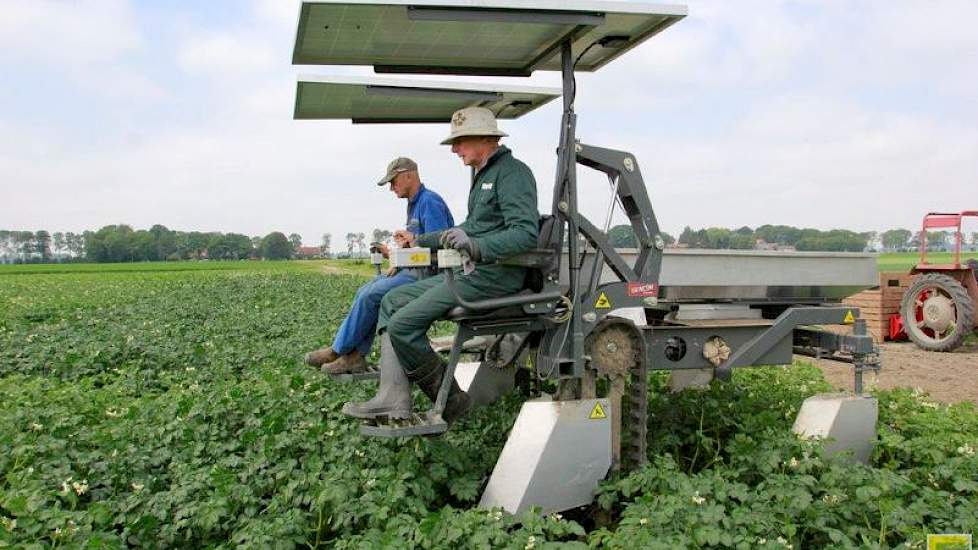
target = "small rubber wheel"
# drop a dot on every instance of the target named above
(937, 312)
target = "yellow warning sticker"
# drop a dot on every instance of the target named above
(603, 302)
(849, 319)
(597, 413)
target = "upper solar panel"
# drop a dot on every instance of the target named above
(483, 37)
(380, 99)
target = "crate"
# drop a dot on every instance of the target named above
(876, 305)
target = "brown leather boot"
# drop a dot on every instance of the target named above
(350, 363)
(321, 356)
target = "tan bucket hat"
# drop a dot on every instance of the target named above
(473, 121)
(396, 166)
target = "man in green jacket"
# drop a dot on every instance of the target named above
(502, 221)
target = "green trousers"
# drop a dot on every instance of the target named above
(408, 311)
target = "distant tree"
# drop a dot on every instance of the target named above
(42, 243)
(191, 244)
(667, 239)
(276, 246)
(895, 239)
(622, 236)
(217, 248)
(324, 247)
(5, 244)
(739, 241)
(935, 240)
(382, 235)
(77, 243)
(165, 241)
(717, 238)
(238, 246)
(871, 238)
(112, 243)
(688, 237)
(361, 242)
(145, 247)
(974, 239)
(295, 240)
(351, 242)
(780, 234)
(745, 231)
(58, 243)
(25, 244)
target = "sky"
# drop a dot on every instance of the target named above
(824, 113)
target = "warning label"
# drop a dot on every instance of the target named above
(603, 302)
(643, 290)
(597, 413)
(849, 319)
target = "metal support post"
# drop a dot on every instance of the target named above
(570, 208)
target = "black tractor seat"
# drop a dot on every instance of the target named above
(461, 313)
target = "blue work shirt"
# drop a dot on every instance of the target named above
(427, 212)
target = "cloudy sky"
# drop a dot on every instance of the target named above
(825, 114)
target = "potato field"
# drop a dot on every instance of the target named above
(166, 406)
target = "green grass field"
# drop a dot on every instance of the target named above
(166, 406)
(904, 261)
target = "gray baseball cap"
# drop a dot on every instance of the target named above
(398, 165)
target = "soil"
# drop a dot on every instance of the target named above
(947, 377)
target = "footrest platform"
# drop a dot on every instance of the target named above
(428, 423)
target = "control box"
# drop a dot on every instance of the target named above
(410, 257)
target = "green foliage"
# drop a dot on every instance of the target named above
(275, 246)
(166, 407)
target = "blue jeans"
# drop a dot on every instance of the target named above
(358, 329)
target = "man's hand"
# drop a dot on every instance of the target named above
(391, 271)
(458, 239)
(404, 238)
(384, 249)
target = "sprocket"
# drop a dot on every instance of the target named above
(615, 349)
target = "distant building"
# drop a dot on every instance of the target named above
(308, 252)
(761, 244)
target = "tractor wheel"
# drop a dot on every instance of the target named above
(937, 312)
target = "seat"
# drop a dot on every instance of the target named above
(540, 262)
(459, 313)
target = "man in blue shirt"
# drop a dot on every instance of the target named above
(426, 213)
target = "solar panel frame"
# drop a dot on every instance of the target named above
(511, 37)
(379, 99)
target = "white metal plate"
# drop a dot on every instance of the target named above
(389, 33)
(383, 99)
(556, 455)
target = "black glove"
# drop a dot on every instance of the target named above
(457, 238)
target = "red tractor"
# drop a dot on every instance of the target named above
(938, 310)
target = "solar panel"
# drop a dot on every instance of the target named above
(383, 99)
(486, 37)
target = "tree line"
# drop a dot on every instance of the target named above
(121, 243)
(794, 238)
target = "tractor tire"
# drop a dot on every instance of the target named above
(938, 314)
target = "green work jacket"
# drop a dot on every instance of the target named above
(503, 217)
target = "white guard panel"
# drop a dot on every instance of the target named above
(556, 454)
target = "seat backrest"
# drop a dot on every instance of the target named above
(537, 276)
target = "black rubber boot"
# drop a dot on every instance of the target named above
(458, 402)
(393, 398)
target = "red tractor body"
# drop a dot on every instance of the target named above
(938, 310)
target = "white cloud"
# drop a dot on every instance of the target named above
(70, 33)
(284, 13)
(224, 53)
